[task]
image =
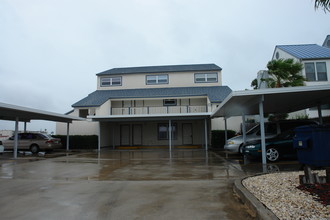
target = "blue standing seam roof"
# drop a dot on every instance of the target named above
(97, 98)
(161, 69)
(306, 51)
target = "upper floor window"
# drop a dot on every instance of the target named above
(206, 77)
(83, 113)
(169, 102)
(111, 81)
(316, 72)
(157, 79)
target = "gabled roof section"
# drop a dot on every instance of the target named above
(326, 42)
(161, 69)
(306, 51)
(216, 94)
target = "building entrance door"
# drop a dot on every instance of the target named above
(187, 134)
(137, 135)
(124, 135)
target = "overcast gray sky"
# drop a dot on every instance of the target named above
(50, 50)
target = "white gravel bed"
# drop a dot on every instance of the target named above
(278, 192)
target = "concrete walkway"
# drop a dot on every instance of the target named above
(189, 184)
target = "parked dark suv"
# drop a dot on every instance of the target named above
(33, 142)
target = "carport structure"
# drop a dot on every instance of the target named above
(272, 100)
(24, 114)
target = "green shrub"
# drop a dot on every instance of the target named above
(218, 138)
(79, 141)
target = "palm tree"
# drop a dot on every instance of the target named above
(254, 84)
(325, 4)
(284, 73)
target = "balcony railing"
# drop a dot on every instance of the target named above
(158, 110)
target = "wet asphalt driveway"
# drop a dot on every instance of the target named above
(189, 184)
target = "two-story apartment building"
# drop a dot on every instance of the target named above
(151, 106)
(316, 62)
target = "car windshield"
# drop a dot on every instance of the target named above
(45, 136)
(253, 130)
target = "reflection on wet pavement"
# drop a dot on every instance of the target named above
(142, 165)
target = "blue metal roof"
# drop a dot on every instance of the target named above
(306, 51)
(161, 69)
(97, 98)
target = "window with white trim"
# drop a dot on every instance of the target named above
(316, 71)
(110, 81)
(163, 131)
(156, 79)
(206, 77)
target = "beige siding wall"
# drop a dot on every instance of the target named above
(104, 109)
(233, 123)
(138, 81)
(77, 128)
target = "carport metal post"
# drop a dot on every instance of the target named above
(243, 129)
(226, 132)
(16, 138)
(67, 136)
(226, 135)
(262, 130)
(99, 138)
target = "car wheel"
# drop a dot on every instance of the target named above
(240, 149)
(34, 148)
(272, 154)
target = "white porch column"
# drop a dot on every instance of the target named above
(67, 136)
(16, 138)
(170, 136)
(205, 134)
(262, 130)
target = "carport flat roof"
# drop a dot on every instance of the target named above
(276, 100)
(151, 117)
(10, 112)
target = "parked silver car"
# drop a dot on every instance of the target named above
(33, 142)
(272, 129)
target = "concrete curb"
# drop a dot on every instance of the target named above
(260, 211)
